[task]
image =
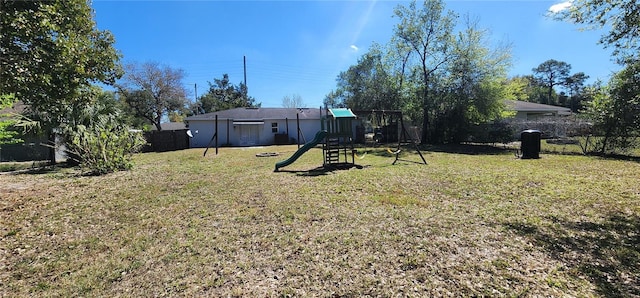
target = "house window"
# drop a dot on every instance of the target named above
(274, 127)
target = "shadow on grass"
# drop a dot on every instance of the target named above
(620, 157)
(465, 148)
(471, 149)
(323, 170)
(38, 169)
(605, 253)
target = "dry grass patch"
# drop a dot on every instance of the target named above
(180, 224)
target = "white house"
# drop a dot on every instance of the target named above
(534, 111)
(254, 126)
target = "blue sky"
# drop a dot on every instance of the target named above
(299, 47)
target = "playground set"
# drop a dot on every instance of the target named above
(337, 136)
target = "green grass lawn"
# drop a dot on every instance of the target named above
(180, 224)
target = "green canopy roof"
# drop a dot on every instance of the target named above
(342, 113)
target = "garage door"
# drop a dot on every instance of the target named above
(249, 135)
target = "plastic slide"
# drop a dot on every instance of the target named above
(316, 140)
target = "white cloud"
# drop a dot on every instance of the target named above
(354, 48)
(558, 7)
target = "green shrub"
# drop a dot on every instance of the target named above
(104, 146)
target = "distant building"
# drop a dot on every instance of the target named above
(254, 126)
(534, 111)
(171, 126)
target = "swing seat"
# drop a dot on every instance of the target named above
(355, 153)
(394, 152)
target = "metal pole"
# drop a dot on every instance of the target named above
(216, 134)
(298, 123)
(244, 60)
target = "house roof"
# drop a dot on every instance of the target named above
(259, 114)
(171, 126)
(532, 107)
(17, 108)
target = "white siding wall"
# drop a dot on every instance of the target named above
(203, 131)
(308, 129)
(248, 135)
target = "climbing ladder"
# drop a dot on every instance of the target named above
(338, 145)
(332, 151)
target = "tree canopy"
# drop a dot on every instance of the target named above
(614, 109)
(50, 50)
(551, 73)
(223, 95)
(446, 78)
(50, 54)
(425, 33)
(153, 91)
(368, 85)
(615, 112)
(293, 101)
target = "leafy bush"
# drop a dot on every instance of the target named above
(508, 130)
(615, 112)
(7, 136)
(496, 132)
(103, 147)
(12, 125)
(96, 137)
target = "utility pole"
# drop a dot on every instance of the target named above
(244, 60)
(195, 86)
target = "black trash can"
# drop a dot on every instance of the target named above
(530, 144)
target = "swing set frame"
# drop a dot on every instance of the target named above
(387, 117)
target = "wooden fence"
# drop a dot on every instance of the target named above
(166, 140)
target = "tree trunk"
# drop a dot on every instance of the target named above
(607, 136)
(52, 148)
(156, 122)
(425, 106)
(425, 125)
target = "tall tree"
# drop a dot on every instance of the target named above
(575, 85)
(368, 85)
(473, 91)
(552, 73)
(616, 111)
(448, 80)
(50, 50)
(516, 88)
(153, 91)
(223, 95)
(333, 100)
(575, 82)
(426, 33)
(293, 101)
(620, 17)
